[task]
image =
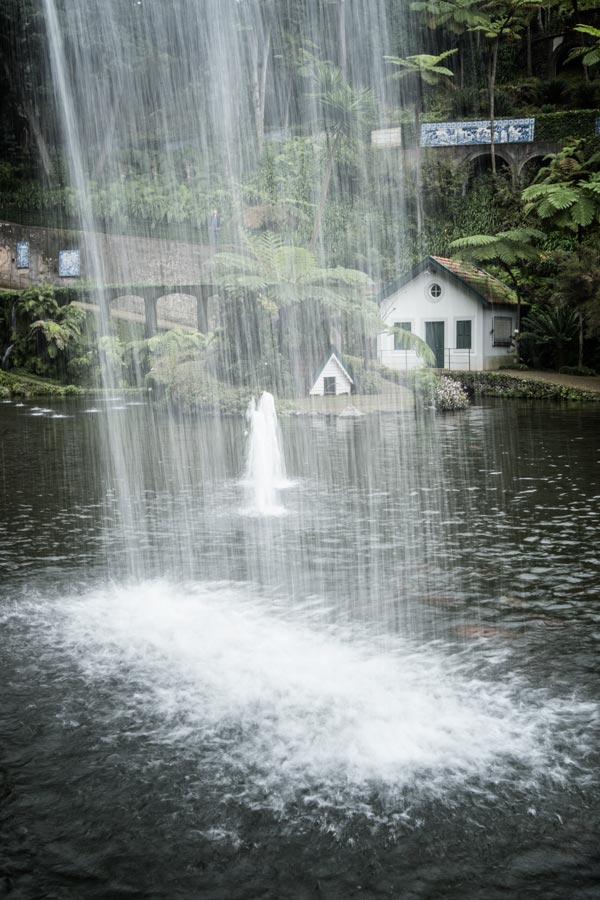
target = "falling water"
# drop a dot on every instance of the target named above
(130, 128)
(310, 666)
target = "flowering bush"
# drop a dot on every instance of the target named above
(450, 395)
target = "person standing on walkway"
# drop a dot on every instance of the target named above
(215, 227)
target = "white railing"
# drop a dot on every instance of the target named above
(405, 359)
(457, 359)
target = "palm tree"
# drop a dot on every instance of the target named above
(566, 195)
(287, 284)
(454, 16)
(407, 340)
(553, 327)
(508, 250)
(566, 192)
(578, 283)
(51, 330)
(421, 69)
(280, 275)
(589, 55)
(344, 111)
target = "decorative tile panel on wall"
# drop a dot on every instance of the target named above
(69, 263)
(460, 134)
(23, 253)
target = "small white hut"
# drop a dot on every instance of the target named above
(332, 380)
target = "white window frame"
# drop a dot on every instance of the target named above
(470, 319)
(502, 342)
(396, 324)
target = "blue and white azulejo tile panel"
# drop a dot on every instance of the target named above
(69, 263)
(22, 254)
(460, 134)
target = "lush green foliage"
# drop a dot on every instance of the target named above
(567, 125)
(46, 337)
(552, 332)
(324, 188)
(589, 55)
(16, 384)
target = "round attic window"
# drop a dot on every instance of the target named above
(434, 291)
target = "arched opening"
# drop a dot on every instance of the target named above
(177, 311)
(479, 168)
(561, 65)
(128, 307)
(529, 170)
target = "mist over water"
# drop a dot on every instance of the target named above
(309, 711)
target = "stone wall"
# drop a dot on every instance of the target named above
(125, 259)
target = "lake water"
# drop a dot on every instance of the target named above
(390, 690)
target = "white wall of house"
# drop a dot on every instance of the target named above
(332, 369)
(416, 303)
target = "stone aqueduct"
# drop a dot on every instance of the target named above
(189, 306)
(158, 283)
(166, 283)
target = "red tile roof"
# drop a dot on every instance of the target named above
(491, 289)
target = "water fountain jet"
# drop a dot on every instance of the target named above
(265, 465)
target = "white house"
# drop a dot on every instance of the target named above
(332, 379)
(465, 315)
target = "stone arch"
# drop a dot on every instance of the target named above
(177, 310)
(479, 162)
(528, 167)
(129, 306)
(558, 60)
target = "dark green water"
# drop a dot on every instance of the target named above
(390, 691)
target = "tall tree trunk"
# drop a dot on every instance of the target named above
(40, 141)
(108, 139)
(418, 179)
(259, 83)
(492, 87)
(343, 39)
(580, 235)
(517, 291)
(323, 195)
(529, 52)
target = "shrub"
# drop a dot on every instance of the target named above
(528, 92)
(554, 92)
(504, 103)
(450, 395)
(558, 126)
(14, 384)
(577, 370)
(367, 379)
(515, 366)
(501, 384)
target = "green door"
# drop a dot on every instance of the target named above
(434, 337)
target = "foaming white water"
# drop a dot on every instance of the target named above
(265, 466)
(299, 708)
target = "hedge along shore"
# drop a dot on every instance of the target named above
(24, 386)
(529, 385)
